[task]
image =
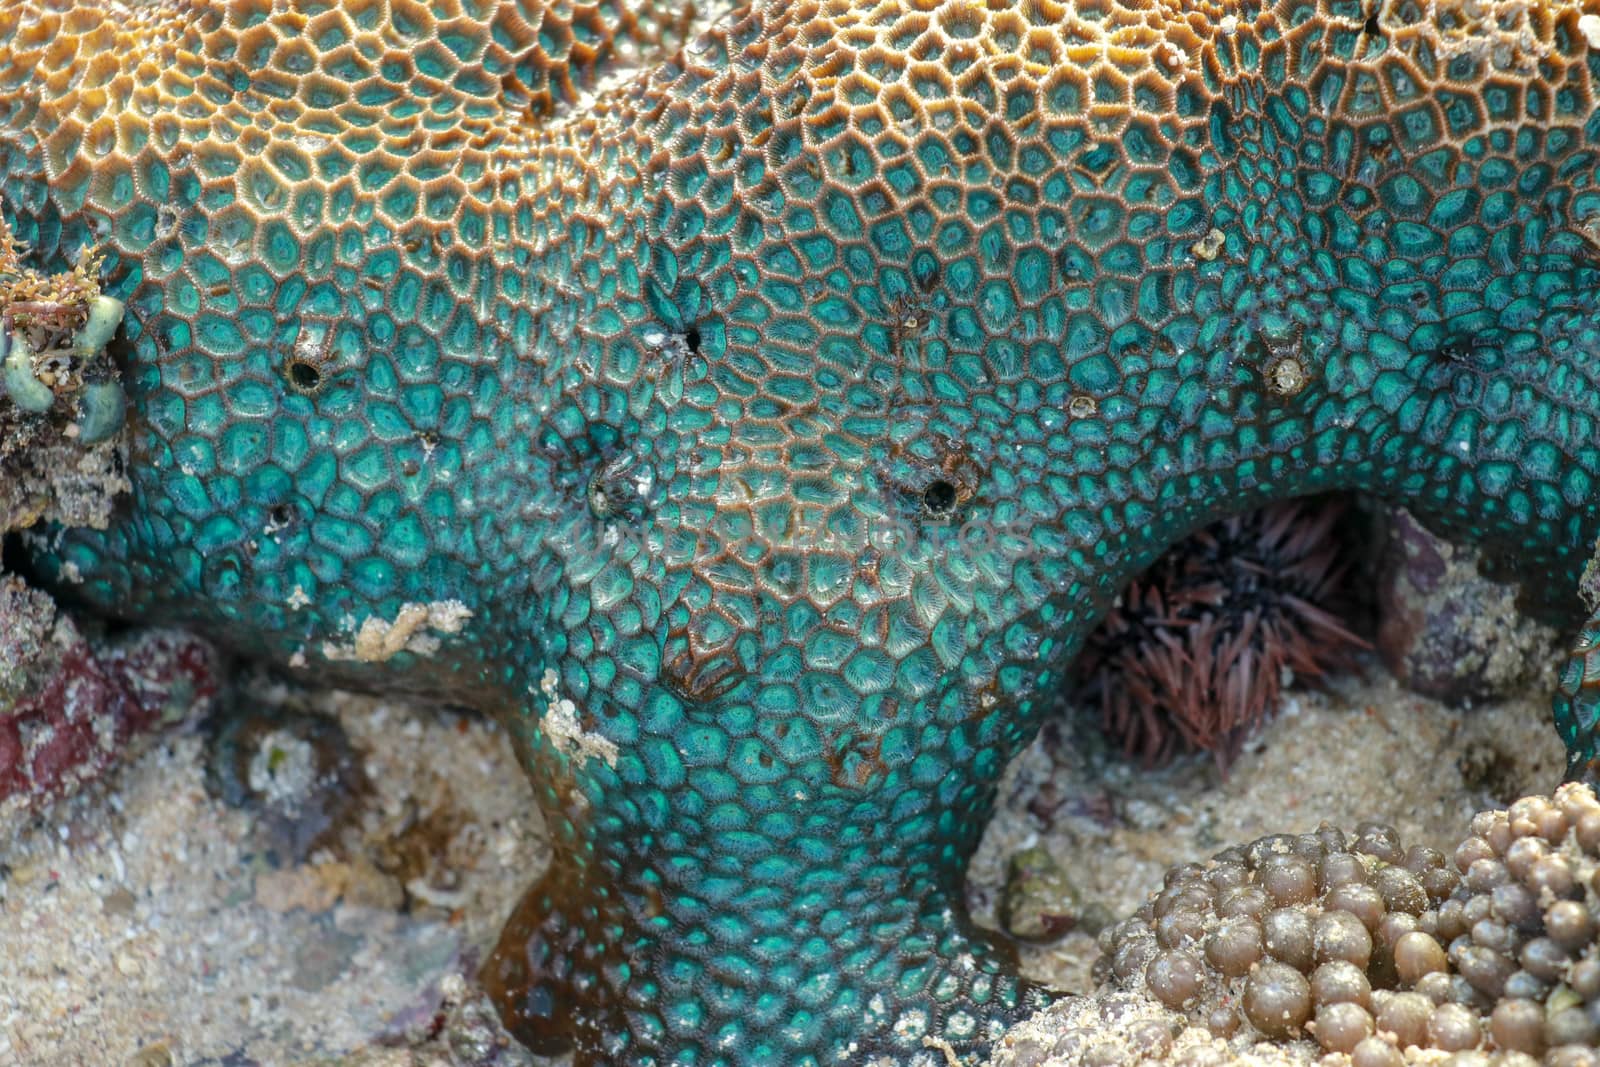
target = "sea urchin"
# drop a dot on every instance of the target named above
(1196, 651)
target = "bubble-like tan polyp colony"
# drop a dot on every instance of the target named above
(1386, 953)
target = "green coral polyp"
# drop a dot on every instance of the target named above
(104, 316)
(22, 383)
(102, 408)
(782, 417)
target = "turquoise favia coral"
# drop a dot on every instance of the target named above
(758, 431)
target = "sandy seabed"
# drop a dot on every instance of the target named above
(142, 922)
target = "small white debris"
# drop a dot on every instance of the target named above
(1589, 26)
(378, 639)
(568, 735)
(282, 770)
(1287, 376)
(939, 1043)
(1208, 246)
(434, 896)
(298, 599)
(562, 727)
(1229, 25)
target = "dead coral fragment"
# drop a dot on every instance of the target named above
(61, 404)
(298, 770)
(381, 639)
(53, 328)
(1447, 629)
(69, 708)
(34, 377)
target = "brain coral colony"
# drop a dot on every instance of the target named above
(759, 428)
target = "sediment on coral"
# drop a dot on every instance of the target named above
(1356, 944)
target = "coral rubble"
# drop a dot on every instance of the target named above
(1446, 628)
(69, 705)
(70, 708)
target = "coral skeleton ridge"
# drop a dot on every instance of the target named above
(759, 421)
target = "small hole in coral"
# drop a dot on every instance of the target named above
(691, 337)
(1371, 27)
(304, 376)
(939, 497)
